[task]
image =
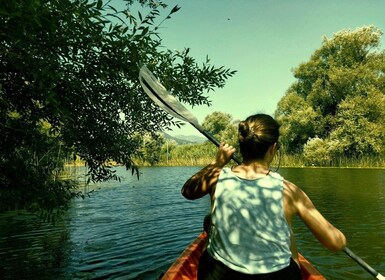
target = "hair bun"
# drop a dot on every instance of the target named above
(245, 133)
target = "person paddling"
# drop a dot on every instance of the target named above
(252, 207)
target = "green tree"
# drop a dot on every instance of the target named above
(300, 121)
(74, 65)
(338, 97)
(222, 126)
(360, 126)
(316, 152)
(151, 149)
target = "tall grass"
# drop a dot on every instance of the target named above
(194, 161)
(360, 162)
(205, 156)
(284, 160)
(298, 160)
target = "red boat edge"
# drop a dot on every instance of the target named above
(186, 266)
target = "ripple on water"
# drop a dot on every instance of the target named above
(135, 229)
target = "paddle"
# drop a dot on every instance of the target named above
(158, 93)
(367, 267)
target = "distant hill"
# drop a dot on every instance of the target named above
(185, 139)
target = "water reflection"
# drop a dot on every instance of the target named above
(135, 229)
(129, 231)
(30, 248)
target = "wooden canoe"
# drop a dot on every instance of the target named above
(185, 267)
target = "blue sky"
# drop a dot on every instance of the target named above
(263, 40)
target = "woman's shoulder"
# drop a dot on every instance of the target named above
(290, 186)
(276, 175)
(294, 192)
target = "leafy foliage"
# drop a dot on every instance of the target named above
(151, 148)
(73, 64)
(337, 104)
(222, 126)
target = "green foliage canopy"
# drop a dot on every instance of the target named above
(338, 100)
(74, 64)
(151, 148)
(222, 126)
(69, 85)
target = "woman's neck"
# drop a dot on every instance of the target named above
(256, 164)
(252, 169)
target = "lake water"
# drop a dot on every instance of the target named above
(135, 229)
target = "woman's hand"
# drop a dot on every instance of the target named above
(224, 154)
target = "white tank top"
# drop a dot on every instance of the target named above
(249, 232)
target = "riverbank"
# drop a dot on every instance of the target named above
(287, 161)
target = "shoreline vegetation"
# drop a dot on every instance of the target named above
(286, 161)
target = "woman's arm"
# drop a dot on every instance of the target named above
(205, 180)
(329, 236)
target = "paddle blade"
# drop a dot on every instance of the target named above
(159, 94)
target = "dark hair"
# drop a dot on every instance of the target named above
(256, 134)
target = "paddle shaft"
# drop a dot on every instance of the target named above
(367, 267)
